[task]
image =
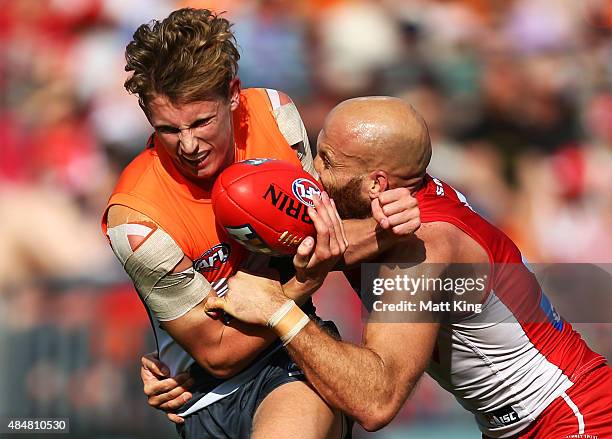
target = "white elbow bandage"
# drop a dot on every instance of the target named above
(168, 295)
(288, 321)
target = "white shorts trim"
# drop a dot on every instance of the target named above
(230, 386)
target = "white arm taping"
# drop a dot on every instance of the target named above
(177, 293)
(293, 130)
(152, 260)
(305, 156)
(274, 97)
(290, 123)
(119, 238)
(168, 295)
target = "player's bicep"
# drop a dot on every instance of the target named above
(195, 331)
(174, 292)
(162, 275)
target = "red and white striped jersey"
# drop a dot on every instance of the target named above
(507, 363)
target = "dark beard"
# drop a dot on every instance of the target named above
(349, 202)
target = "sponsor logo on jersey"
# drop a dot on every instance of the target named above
(439, 187)
(504, 416)
(213, 258)
(305, 190)
(287, 204)
(255, 162)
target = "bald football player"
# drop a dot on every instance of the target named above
(505, 354)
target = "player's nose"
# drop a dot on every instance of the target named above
(187, 142)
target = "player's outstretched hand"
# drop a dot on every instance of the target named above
(164, 392)
(249, 298)
(397, 210)
(315, 258)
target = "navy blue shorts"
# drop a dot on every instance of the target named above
(232, 416)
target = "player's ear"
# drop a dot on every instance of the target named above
(378, 181)
(234, 95)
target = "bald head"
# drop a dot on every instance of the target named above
(383, 132)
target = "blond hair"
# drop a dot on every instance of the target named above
(189, 56)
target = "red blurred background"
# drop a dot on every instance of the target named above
(517, 94)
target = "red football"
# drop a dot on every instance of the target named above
(262, 204)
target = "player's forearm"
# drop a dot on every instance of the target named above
(352, 378)
(366, 240)
(300, 292)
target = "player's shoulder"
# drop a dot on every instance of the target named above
(274, 98)
(138, 171)
(283, 98)
(120, 214)
(431, 243)
(441, 241)
(129, 227)
(446, 243)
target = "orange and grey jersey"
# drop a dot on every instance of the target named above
(152, 186)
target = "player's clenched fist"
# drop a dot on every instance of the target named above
(397, 210)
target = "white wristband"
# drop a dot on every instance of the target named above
(280, 313)
(288, 321)
(286, 339)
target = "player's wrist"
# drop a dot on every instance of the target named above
(287, 321)
(367, 240)
(300, 291)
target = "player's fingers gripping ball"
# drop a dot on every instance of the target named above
(263, 204)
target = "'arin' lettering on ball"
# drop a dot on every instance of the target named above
(287, 204)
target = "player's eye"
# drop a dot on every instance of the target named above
(325, 160)
(164, 129)
(202, 122)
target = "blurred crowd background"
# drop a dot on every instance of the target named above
(517, 95)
